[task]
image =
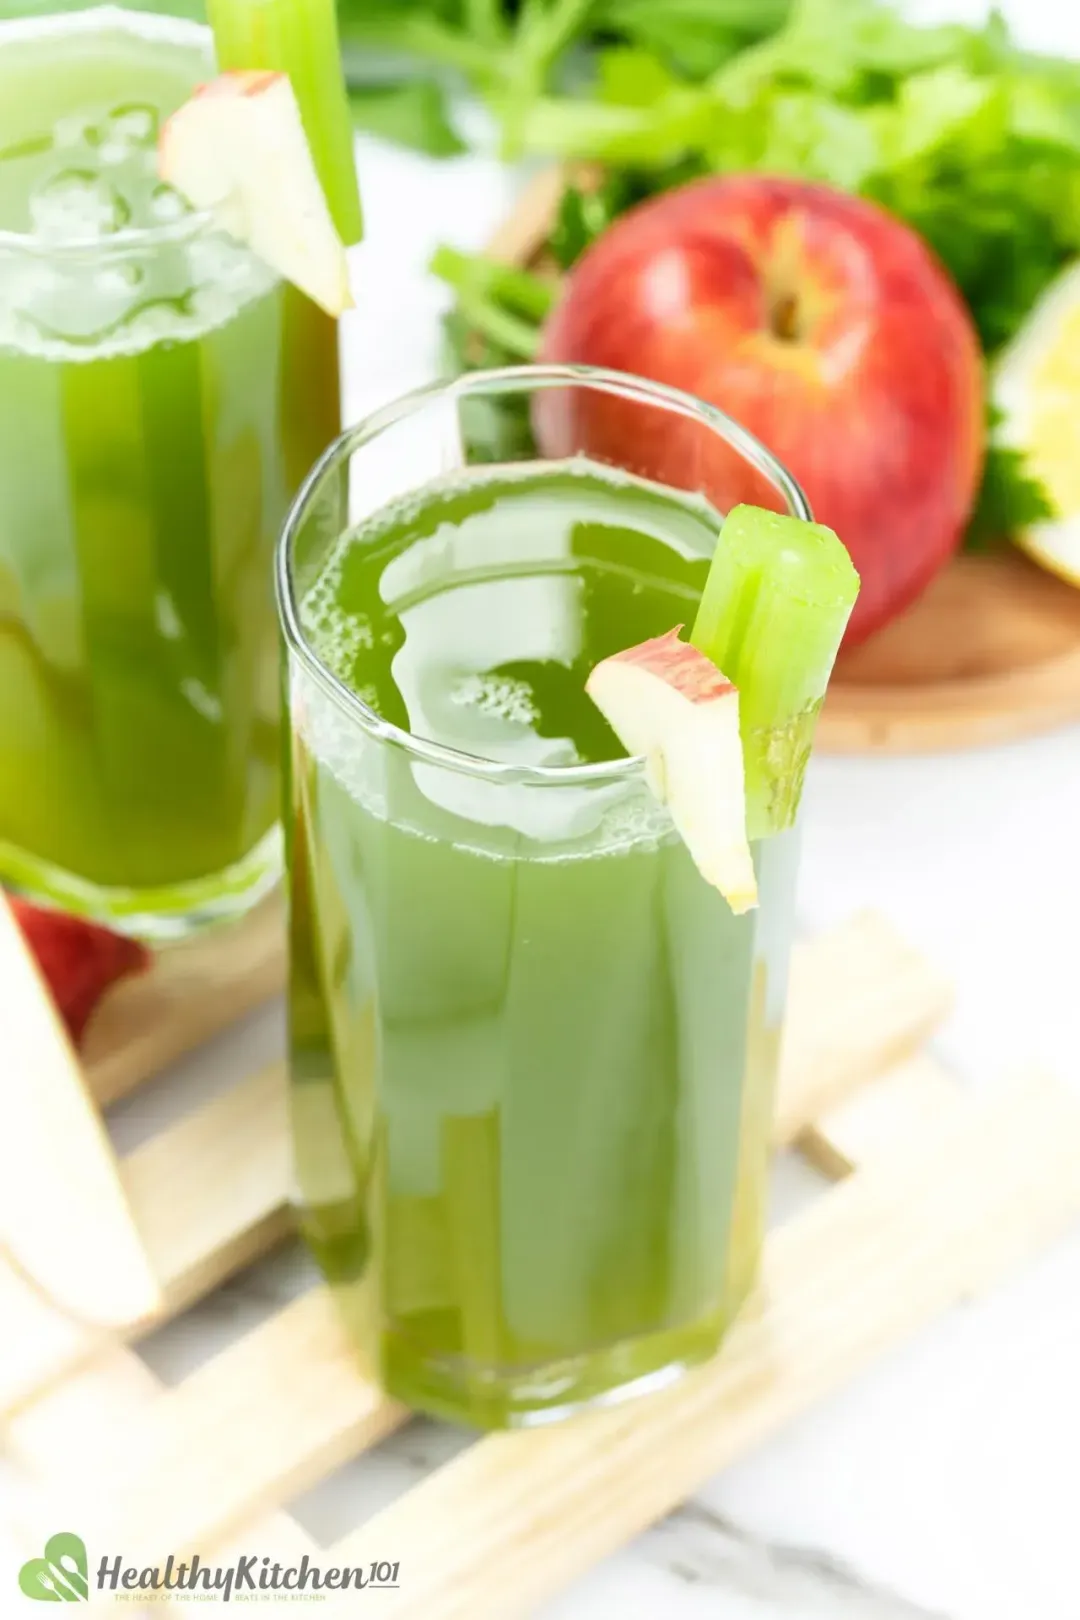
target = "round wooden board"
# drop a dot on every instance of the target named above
(989, 654)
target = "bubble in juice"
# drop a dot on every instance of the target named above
(119, 278)
(502, 696)
(134, 125)
(166, 205)
(77, 203)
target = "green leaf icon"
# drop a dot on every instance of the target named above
(61, 1575)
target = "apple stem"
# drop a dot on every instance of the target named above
(785, 319)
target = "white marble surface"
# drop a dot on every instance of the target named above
(944, 1484)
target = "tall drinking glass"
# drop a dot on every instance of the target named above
(533, 1051)
(161, 396)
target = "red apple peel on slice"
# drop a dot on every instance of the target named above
(79, 960)
(668, 702)
(237, 150)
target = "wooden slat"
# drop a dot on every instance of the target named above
(904, 994)
(517, 1516)
(193, 991)
(89, 1405)
(261, 1422)
(861, 999)
(118, 1389)
(63, 1213)
(905, 1105)
(212, 1192)
(210, 1195)
(111, 1395)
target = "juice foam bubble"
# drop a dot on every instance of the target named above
(130, 127)
(77, 203)
(56, 312)
(497, 695)
(166, 205)
(318, 613)
(458, 658)
(89, 281)
(339, 635)
(605, 820)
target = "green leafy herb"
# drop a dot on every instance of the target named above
(973, 142)
(518, 290)
(956, 130)
(694, 37)
(513, 51)
(500, 305)
(586, 212)
(498, 430)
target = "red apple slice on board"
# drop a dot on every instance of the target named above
(238, 150)
(79, 960)
(665, 700)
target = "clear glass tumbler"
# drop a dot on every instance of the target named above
(533, 1052)
(162, 394)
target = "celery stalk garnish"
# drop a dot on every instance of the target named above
(774, 609)
(300, 38)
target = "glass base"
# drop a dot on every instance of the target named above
(157, 916)
(465, 1392)
(523, 1397)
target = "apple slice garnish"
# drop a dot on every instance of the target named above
(66, 1228)
(668, 702)
(238, 151)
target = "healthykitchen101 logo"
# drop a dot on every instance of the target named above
(62, 1575)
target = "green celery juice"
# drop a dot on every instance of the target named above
(533, 1051)
(161, 396)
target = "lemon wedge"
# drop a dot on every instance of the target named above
(1037, 390)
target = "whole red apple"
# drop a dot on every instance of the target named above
(819, 322)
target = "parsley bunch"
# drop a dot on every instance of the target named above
(972, 141)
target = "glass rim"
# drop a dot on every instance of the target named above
(140, 25)
(504, 380)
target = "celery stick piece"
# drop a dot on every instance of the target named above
(774, 609)
(471, 1160)
(300, 38)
